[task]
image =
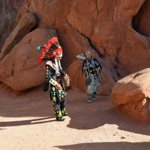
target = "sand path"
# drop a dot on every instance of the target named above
(27, 123)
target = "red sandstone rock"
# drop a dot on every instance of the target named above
(20, 68)
(108, 25)
(132, 93)
(103, 25)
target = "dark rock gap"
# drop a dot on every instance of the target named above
(90, 42)
(140, 21)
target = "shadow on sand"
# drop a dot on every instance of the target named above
(108, 146)
(26, 122)
(89, 116)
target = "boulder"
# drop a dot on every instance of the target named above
(20, 68)
(132, 94)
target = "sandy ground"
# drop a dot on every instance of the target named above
(27, 123)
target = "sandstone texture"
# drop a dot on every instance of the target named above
(8, 11)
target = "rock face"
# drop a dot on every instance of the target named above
(107, 27)
(132, 94)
